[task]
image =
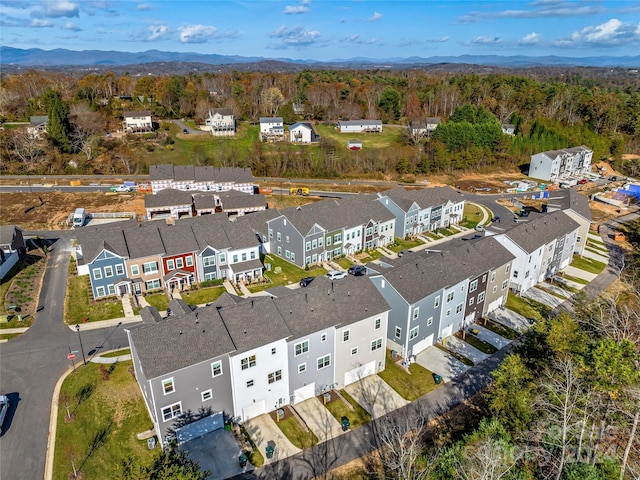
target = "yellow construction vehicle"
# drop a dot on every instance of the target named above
(299, 191)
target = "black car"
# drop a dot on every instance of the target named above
(306, 281)
(184, 130)
(357, 270)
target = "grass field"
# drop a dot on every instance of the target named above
(471, 215)
(296, 433)
(481, 345)
(526, 307)
(501, 330)
(78, 307)
(158, 300)
(391, 136)
(588, 265)
(202, 295)
(410, 386)
(357, 417)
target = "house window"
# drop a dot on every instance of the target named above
(152, 284)
(209, 261)
(506, 269)
(398, 332)
(170, 265)
(307, 260)
(376, 344)
(484, 278)
(504, 284)
(430, 321)
(216, 369)
(471, 300)
(287, 238)
(248, 362)
(249, 383)
(413, 333)
(119, 270)
(206, 395)
(111, 289)
(100, 292)
(526, 274)
(458, 308)
(302, 347)
(135, 270)
(179, 263)
(275, 376)
(493, 277)
(108, 271)
(515, 274)
(308, 246)
(223, 258)
(253, 255)
(354, 351)
(337, 238)
(278, 236)
(328, 241)
(273, 351)
(280, 250)
(323, 337)
(481, 297)
(270, 233)
(150, 267)
(416, 313)
(345, 335)
(293, 257)
(495, 288)
(235, 258)
(168, 386)
(172, 411)
(210, 276)
(189, 261)
(97, 273)
(448, 312)
(287, 254)
(376, 324)
(302, 367)
(450, 296)
(324, 362)
(314, 244)
(473, 286)
(436, 302)
(244, 257)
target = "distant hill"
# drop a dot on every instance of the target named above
(36, 57)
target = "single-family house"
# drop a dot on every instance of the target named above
(298, 108)
(12, 247)
(508, 129)
(137, 122)
(543, 247)
(354, 144)
(576, 206)
(302, 132)
(557, 165)
(431, 123)
(359, 126)
(222, 122)
(271, 129)
(206, 178)
(37, 125)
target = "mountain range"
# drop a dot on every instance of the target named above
(36, 57)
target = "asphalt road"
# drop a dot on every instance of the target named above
(31, 364)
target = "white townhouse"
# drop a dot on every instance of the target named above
(576, 206)
(556, 165)
(137, 121)
(222, 122)
(205, 179)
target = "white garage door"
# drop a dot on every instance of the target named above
(359, 373)
(447, 331)
(422, 344)
(253, 410)
(302, 393)
(495, 304)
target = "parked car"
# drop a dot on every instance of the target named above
(306, 281)
(582, 181)
(404, 252)
(4, 408)
(120, 188)
(336, 275)
(184, 130)
(357, 270)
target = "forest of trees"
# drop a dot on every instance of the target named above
(550, 112)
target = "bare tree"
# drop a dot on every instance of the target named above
(85, 125)
(26, 147)
(488, 459)
(403, 447)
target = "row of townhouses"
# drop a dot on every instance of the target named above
(189, 177)
(556, 165)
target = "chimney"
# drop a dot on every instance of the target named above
(197, 319)
(251, 303)
(305, 298)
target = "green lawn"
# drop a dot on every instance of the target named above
(158, 300)
(357, 417)
(344, 262)
(588, 265)
(500, 329)
(462, 358)
(599, 247)
(289, 273)
(106, 416)
(202, 295)
(552, 292)
(402, 244)
(481, 345)
(296, 433)
(526, 307)
(391, 136)
(410, 386)
(372, 254)
(78, 307)
(471, 215)
(116, 353)
(603, 253)
(255, 456)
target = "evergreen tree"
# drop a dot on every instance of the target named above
(58, 126)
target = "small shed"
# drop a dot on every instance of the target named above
(354, 144)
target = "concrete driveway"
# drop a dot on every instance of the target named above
(576, 272)
(466, 350)
(217, 452)
(489, 336)
(441, 363)
(541, 296)
(263, 431)
(510, 319)
(319, 419)
(375, 396)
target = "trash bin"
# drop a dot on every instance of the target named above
(437, 378)
(345, 424)
(242, 460)
(269, 451)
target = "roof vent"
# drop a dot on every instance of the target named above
(180, 332)
(197, 319)
(348, 293)
(245, 331)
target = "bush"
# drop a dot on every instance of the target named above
(212, 283)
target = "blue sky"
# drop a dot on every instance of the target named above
(325, 30)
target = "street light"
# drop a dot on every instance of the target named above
(84, 360)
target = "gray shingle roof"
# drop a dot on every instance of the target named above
(221, 111)
(37, 120)
(95, 238)
(270, 119)
(423, 197)
(360, 122)
(6, 234)
(257, 221)
(233, 199)
(137, 113)
(541, 230)
(200, 174)
(168, 197)
(572, 199)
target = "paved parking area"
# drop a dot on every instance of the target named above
(489, 336)
(541, 296)
(465, 349)
(217, 452)
(510, 318)
(441, 363)
(264, 432)
(319, 419)
(375, 396)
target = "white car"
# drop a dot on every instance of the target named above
(336, 275)
(120, 188)
(4, 408)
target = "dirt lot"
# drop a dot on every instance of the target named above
(479, 183)
(51, 209)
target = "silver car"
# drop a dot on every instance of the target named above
(4, 408)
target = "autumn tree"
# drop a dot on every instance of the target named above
(58, 125)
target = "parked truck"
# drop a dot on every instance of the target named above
(299, 191)
(79, 217)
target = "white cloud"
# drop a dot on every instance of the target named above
(482, 40)
(294, 37)
(143, 6)
(295, 9)
(58, 8)
(553, 8)
(196, 33)
(39, 23)
(530, 39)
(375, 17)
(610, 33)
(157, 32)
(72, 27)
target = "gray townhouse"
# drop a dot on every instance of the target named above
(243, 357)
(576, 206)
(422, 210)
(258, 223)
(542, 246)
(297, 237)
(205, 178)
